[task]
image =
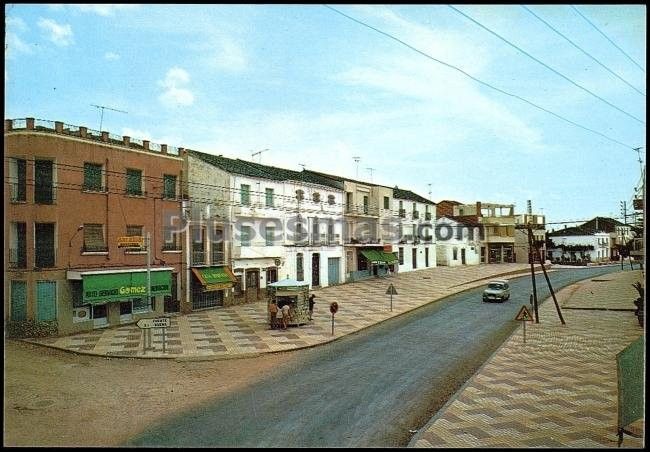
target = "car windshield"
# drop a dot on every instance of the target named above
(496, 286)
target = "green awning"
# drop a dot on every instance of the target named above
(376, 256)
(215, 278)
(109, 287)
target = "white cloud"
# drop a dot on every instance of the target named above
(60, 35)
(226, 54)
(102, 10)
(175, 94)
(14, 43)
(111, 56)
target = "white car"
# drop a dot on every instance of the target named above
(497, 290)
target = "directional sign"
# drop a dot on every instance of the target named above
(160, 322)
(391, 290)
(524, 314)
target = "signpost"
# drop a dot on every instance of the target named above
(391, 291)
(148, 325)
(524, 315)
(334, 307)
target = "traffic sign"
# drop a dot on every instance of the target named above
(391, 290)
(160, 322)
(334, 307)
(524, 314)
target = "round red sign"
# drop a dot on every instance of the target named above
(334, 307)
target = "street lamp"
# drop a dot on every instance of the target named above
(70, 242)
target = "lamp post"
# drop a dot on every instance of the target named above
(70, 242)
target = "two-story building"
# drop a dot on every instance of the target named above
(277, 222)
(458, 240)
(538, 227)
(415, 241)
(72, 195)
(578, 245)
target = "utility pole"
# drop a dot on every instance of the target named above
(102, 108)
(550, 287)
(532, 270)
(357, 159)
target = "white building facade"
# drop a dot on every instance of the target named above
(457, 243)
(414, 241)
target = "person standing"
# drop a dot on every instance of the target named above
(311, 305)
(273, 311)
(285, 315)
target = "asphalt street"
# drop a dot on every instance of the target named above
(369, 389)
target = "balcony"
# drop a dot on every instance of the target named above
(198, 257)
(402, 213)
(44, 194)
(44, 258)
(17, 258)
(427, 216)
(361, 210)
(416, 214)
(362, 241)
(172, 247)
(218, 258)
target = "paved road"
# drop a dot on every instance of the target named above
(365, 390)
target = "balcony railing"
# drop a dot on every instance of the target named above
(218, 258)
(171, 247)
(17, 258)
(198, 257)
(427, 216)
(402, 213)
(44, 258)
(416, 214)
(44, 195)
(94, 187)
(361, 210)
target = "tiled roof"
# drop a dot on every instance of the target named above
(252, 169)
(342, 179)
(448, 201)
(467, 220)
(408, 194)
(604, 225)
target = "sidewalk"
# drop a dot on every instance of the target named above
(557, 390)
(242, 330)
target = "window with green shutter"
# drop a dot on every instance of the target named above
(270, 235)
(45, 300)
(170, 187)
(93, 177)
(245, 195)
(18, 300)
(134, 182)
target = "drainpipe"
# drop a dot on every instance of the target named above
(107, 216)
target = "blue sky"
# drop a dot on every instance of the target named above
(318, 89)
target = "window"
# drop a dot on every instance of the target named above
(331, 200)
(386, 202)
(94, 238)
(455, 254)
(18, 180)
(269, 197)
(18, 300)
(169, 186)
(330, 232)
(134, 182)
(415, 257)
(43, 181)
(44, 245)
(18, 245)
(300, 271)
(270, 235)
(171, 238)
(316, 197)
(245, 236)
(141, 304)
(300, 195)
(93, 177)
(245, 195)
(400, 255)
(133, 230)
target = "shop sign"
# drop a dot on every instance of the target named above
(104, 288)
(133, 241)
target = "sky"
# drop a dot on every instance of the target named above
(318, 89)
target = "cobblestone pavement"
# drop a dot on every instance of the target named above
(243, 330)
(559, 389)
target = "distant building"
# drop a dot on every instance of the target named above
(459, 240)
(538, 226)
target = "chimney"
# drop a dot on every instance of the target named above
(478, 209)
(127, 140)
(145, 144)
(58, 126)
(163, 149)
(105, 136)
(30, 123)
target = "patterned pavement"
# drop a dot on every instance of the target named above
(559, 389)
(243, 330)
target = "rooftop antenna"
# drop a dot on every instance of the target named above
(253, 154)
(429, 191)
(356, 159)
(102, 108)
(370, 170)
(303, 166)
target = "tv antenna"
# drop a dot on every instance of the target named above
(253, 154)
(303, 165)
(371, 171)
(357, 159)
(429, 191)
(102, 108)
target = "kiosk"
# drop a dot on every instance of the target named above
(295, 294)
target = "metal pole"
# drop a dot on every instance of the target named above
(391, 302)
(548, 282)
(532, 272)
(164, 339)
(524, 331)
(332, 324)
(149, 279)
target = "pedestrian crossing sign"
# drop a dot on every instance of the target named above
(524, 314)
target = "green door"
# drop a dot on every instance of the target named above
(45, 300)
(18, 300)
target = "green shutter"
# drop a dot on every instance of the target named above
(133, 182)
(92, 177)
(18, 300)
(245, 195)
(170, 186)
(45, 300)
